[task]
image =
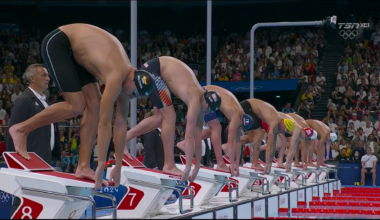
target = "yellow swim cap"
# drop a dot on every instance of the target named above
(289, 124)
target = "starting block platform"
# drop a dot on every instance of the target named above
(46, 193)
(148, 191)
(213, 192)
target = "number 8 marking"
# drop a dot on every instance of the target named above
(26, 214)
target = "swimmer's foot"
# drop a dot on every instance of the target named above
(87, 173)
(173, 170)
(303, 166)
(223, 167)
(257, 167)
(19, 140)
(280, 165)
(323, 164)
(311, 165)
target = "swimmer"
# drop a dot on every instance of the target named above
(307, 134)
(266, 117)
(325, 137)
(172, 75)
(76, 55)
(231, 108)
(292, 137)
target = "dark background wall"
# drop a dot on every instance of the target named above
(183, 19)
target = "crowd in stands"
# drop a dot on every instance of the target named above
(279, 54)
(353, 107)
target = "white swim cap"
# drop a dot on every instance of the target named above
(314, 136)
(333, 137)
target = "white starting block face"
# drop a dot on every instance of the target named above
(39, 176)
(145, 195)
(242, 182)
(205, 187)
(245, 170)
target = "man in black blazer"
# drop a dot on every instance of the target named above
(44, 141)
(154, 150)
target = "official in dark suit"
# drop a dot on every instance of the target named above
(154, 150)
(44, 141)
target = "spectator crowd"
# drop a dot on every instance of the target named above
(353, 107)
(279, 54)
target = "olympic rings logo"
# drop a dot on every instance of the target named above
(4, 197)
(348, 34)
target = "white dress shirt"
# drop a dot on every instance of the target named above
(42, 98)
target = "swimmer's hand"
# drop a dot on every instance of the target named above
(99, 177)
(194, 173)
(185, 175)
(115, 176)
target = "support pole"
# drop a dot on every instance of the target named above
(274, 24)
(133, 103)
(208, 42)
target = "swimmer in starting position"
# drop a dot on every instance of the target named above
(231, 108)
(292, 137)
(325, 137)
(304, 137)
(76, 55)
(261, 111)
(172, 75)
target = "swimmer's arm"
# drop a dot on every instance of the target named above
(198, 140)
(192, 118)
(231, 142)
(120, 127)
(295, 137)
(107, 102)
(272, 138)
(328, 146)
(319, 151)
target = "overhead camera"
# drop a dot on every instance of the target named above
(331, 21)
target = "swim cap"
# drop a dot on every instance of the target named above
(333, 137)
(314, 136)
(213, 100)
(246, 122)
(289, 124)
(308, 132)
(144, 82)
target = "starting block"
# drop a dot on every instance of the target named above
(46, 193)
(148, 190)
(210, 183)
(286, 180)
(239, 184)
(264, 184)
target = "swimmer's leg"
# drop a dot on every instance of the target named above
(73, 105)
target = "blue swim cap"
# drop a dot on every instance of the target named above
(246, 122)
